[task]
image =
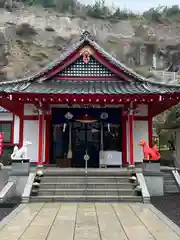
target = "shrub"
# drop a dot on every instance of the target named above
(25, 30)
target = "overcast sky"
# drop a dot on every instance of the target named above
(136, 5)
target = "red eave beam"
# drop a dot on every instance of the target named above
(86, 98)
(12, 106)
(155, 109)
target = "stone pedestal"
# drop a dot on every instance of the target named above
(153, 166)
(154, 182)
(20, 167)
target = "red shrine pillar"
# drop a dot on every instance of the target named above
(41, 138)
(131, 136)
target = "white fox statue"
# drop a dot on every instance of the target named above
(21, 153)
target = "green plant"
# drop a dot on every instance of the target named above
(25, 30)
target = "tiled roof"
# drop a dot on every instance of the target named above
(139, 84)
(90, 87)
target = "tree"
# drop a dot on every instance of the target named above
(153, 14)
(98, 10)
(173, 115)
(171, 11)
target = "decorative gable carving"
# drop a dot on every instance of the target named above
(86, 65)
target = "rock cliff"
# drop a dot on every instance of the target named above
(30, 37)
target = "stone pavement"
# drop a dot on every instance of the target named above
(92, 221)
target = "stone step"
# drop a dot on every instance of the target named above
(173, 188)
(170, 190)
(169, 178)
(169, 181)
(91, 172)
(95, 185)
(115, 192)
(170, 186)
(84, 180)
(84, 177)
(87, 198)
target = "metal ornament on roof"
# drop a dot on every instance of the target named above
(86, 56)
(85, 35)
(104, 115)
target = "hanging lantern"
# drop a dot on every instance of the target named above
(68, 116)
(104, 115)
(86, 119)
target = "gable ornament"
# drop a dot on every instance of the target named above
(86, 57)
(86, 53)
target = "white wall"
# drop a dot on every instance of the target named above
(29, 110)
(16, 130)
(140, 132)
(31, 130)
(31, 133)
(6, 116)
(142, 110)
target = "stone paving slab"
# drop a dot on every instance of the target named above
(92, 221)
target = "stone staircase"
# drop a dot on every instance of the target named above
(97, 186)
(170, 185)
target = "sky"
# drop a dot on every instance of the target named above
(136, 5)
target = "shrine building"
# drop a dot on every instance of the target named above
(84, 103)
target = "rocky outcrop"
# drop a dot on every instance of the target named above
(31, 37)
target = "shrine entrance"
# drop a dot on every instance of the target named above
(86, 140)
(76, 132)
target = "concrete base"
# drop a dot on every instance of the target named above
(154, 182)
(27, 190)
(151, 166)
(8, 192)
(20, 183)
(144, 188)
(20, 167)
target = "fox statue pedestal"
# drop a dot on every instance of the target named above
(20, 161)
(20, 167)
(151, 169)
(149, 165)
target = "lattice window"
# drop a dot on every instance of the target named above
(80, 68)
